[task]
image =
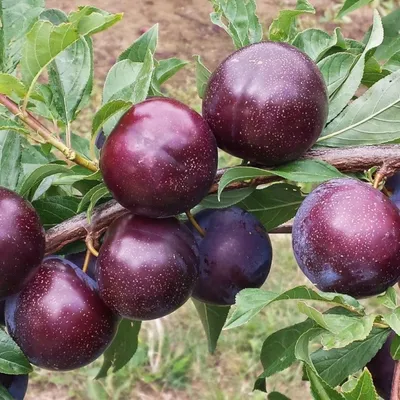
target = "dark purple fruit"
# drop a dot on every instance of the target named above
(16, 385)
(346, 238)
(22, 242)
(2, 312)
(266, 103)
(79, 260)
(58, 320)
(235, 254)
(160, 160)
(393, 184)
(147, 268)
(382, 369)
(100, 139)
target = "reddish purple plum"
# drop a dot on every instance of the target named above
(160, 160)
(59, 320)
(16, 385)
(346, 238)
(235, 254)
(147, 268)
(22, 242)
(266, 103)
(382, 369)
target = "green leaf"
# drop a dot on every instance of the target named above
(312, 171)
(202, 76)
(343, 329)
(122, 348)
(107, 111)
(395, 348)
(17, 18)
(228, 199)
(88, 196)
(283, 28)
(334, 366)
(239, 19)
(249, 302)
(213, 319)
(37, 176)
(351, 5)
(320, 389)
(315, 42)
(147, 42)
(388, 299)
(9, 84)
(393, 320)
(96, 197)
(277, 352)
(373, 72)
(89, 20)
(391, 41)
(364, 389)
(349, 87)
(277, 396)
(373, 118)
(10, 159)
(12, 360)
(5, 394)
(393, 64)
(69, 73)
(55, 209)
(302, 348)
(167, 69)
(335, 69)
(273, 205)
(8, 124)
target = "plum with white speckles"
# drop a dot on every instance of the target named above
(16, 385)
(382, 369)
(22, 242)
(393, 184)
(100, 140)
(266, 103)
(160, 160)
(235, 254)
(147, 268)
(346, 238)
(59, 320)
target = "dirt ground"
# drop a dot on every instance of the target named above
(185, 29)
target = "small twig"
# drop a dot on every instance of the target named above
(395, 393)
(378, 179)
(37, 127)
(195, 224)
(90, 246)
(87, 261)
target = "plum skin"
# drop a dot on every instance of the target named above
(382, 369)
(266, 103)
(147, 268)
(79, 259)
(22, 242)
(346, 238)
(58, 319)
(160, 160)
(235, 254)
(16, 385)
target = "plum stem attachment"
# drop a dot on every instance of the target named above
(395, 393)
(38, 128)
(90, 246)
(378, 179)
(195, 224)
(87, 261)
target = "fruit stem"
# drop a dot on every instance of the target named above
(87, 260)
(378, 179)
(395, 393)
(195, 224)
(37, 127)
(90, 246)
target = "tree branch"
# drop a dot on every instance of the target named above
(395, 393)
(37, 127)
(348, 159)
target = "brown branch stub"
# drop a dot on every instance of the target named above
(395, 393)
(346, 159)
